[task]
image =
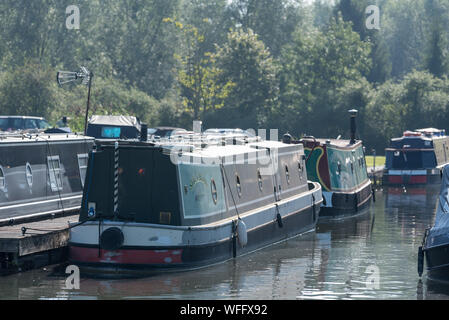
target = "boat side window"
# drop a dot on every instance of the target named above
(54, 171)
(82, 165)
(213, 189)
(287, 174)
(238, 185)
(2, 179)
(30, 124)
(29, 175)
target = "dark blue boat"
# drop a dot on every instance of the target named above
(435, 248)
(416, 158)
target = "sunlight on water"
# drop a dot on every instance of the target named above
(335, 262)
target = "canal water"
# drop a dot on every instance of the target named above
(371, 256)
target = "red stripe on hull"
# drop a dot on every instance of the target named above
(125, 256)
(418, 179)
(395, 179)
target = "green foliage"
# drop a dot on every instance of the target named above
(287, 64)
(198, 75)
(249, 72)
(315, 67)
(27, 91)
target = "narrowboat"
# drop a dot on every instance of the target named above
(434, 252)
(41, 174)
(416, 158)
(340, 168)
(169, 206)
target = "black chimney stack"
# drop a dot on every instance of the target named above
(144, 132)
(353, 113)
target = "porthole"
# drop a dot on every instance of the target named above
(2, 179)
(213, 190)
(238, 185)
(287, 174)
(29, 175)
(259, 180)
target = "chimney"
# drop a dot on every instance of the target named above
(143, 132)
(353, 114)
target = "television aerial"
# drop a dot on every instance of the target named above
(64, 77)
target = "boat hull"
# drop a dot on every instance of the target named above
(340, 204)
(437, 262)
(411, 177)
(181, 249)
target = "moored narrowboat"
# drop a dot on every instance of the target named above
(416, 158)
(41, 174)
(153, 207)
(340, 168)
(434, 252)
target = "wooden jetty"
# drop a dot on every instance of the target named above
(32, 245)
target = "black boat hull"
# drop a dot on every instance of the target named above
(348, 203)
(190, 257)
(437, 262)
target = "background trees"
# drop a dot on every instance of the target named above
(294, 65)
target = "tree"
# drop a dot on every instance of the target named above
(27, 91)
(354, 11)
(248, 65)
(274, 21)
(198, 74)
(315, 66)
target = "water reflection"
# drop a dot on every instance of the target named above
(335, 262)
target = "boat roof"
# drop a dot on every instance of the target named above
(209, 145)
(127, 121)
(6, 138)
(23, 117)
(339, 143)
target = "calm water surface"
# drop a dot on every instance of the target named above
(335, 262)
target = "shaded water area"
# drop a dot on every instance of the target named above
(338, 261)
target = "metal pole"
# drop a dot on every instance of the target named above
(91, 75)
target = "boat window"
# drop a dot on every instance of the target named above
(2, 179)
(54, 171)
(338, 167)
(29, 175)
(213, 189)
(110, 132)
(259, 179)
(30, 124)
(82, 165)
(238, 185)
(287, 174)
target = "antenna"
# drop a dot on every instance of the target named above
(63, 77)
